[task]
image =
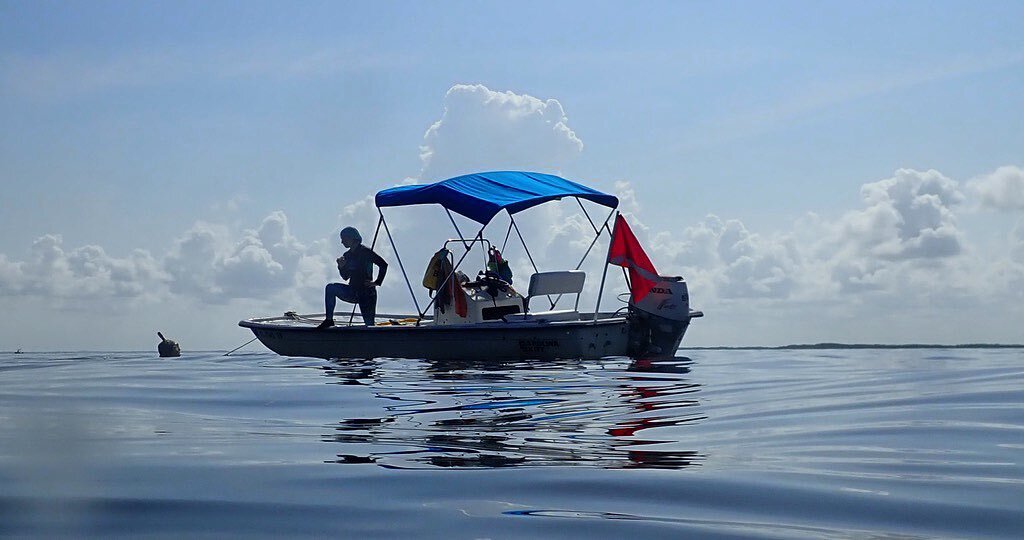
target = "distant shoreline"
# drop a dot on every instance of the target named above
(827, 346)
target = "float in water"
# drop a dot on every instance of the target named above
(486, 317)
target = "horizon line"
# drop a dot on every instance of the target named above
(794, 346)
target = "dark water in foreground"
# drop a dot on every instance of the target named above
(838, 444)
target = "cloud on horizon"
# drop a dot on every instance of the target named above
(84, 272)
(900, 249)
(208, 263)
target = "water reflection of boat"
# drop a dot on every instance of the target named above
(487, 315)
(519, 413)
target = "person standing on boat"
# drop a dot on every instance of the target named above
(356, 266)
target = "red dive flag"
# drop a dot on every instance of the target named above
(625, 251)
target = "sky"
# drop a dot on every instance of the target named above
(817, 171)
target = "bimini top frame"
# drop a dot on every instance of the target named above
(480, 197)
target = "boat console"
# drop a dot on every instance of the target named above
(490, 299)
(484, 301)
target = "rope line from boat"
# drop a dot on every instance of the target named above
(240, 346)
(291, 315)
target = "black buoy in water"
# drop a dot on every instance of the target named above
(167, 348)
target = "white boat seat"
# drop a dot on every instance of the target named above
(560, 282)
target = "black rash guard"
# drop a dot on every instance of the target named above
(358, 268)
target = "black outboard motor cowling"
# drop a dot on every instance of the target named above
(659, 321)
(167, 348)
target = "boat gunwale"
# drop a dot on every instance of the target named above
(267, 324)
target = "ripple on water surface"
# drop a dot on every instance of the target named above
(897, 443)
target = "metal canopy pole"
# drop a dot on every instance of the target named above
(468, 246)
(400, 265)
(373, 243)
(524, 243)
(604, 274)
(507, 234)
(585, 213)
(455, 267)
(594, 241)
(514, 224)
(462, 238)
(452, 218)
(605, 226)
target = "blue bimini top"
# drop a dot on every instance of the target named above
(481, 196)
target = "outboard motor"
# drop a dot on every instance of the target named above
(167, 348)
(659, 320)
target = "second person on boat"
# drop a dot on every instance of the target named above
(356, 266)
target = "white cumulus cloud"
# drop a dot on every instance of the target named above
(83, 272)
(1003, 189)
(484, 130)
(209, 264)
(725, 259)
(191, 263)
(1017, 243)
(908, 216)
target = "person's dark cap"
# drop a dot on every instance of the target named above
(352, 233)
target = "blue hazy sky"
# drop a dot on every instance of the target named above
(818, 171)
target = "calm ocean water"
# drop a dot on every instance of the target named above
(889, 443)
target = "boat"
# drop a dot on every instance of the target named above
(486, 318)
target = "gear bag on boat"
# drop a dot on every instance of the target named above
(438, 269)
(499, 266)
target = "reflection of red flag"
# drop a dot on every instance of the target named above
(625, 251)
